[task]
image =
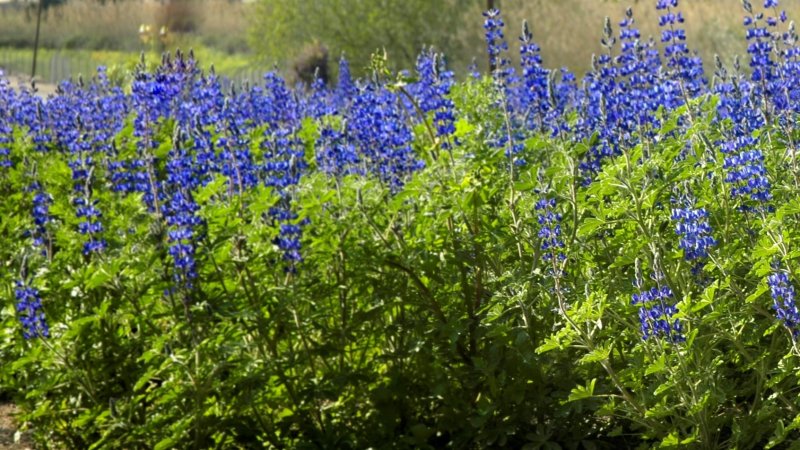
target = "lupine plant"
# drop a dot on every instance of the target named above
(520, 259)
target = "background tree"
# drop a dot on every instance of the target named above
(402, 27)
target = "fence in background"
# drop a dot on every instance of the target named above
(54, 68)
(50, 69)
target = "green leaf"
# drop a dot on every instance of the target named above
(589, 226)
(582, 392)
(215, 187)
(599, 354)
(167, 443)
(463, 128)
(761, 290)
(658, 366)
(672, 440)
(163, 149)
(550, 343)
(98, 278)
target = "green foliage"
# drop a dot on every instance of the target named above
(279, 29)
(424, 319)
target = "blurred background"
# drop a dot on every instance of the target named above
(244, 38)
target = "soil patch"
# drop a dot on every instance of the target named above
(8, 430)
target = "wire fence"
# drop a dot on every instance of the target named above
(55, 67)
(49, 69)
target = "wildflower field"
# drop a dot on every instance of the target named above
(519, 259)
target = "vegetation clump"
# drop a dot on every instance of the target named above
(523, 259)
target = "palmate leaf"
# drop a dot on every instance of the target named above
(582, 392)
(596, 355)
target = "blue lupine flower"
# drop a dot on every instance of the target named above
(638, 66)
(382, 137)
(497, 46)
(656, 312)
(766, 72)
(7, 99)
(783, 300)
(535, 99)
(432, 92)
(30, 311)
(41, 216)
(345, 88)
(549, 230)
(180, 214)
(320, 103)
(83, 120)
(694, 231)
(236, 162)
(747, 174)
(744, 162)
(599, 108)
(683, 67)
(336, 155)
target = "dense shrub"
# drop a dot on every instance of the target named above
(279, 30)
(515, 261)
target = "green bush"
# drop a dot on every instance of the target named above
(401, 27)
(423, 317)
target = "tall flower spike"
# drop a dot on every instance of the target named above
(29, 309)
(550, 230)
(432, 92)
(496, 46)
(41, 217)
(656, 312)
(7, 98)
(783, 300)
(599, 109)
(692, 227)
(382, 137)
(743, 164)
(638, 65)
(345, 89)
(683, 67)
(535, 98)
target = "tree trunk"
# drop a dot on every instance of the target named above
(36, 40)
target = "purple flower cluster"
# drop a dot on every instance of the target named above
(41, 216)
(336, 154)
(656, 312)
(685, 68)
(433, 94)
(549, 230)
(748, 176)
(381, 137)
(5, 123)
(534, 98)
(742, 103)
(30, 312)
(695, 233)
(783, 300)
(186, 128)
(496, 46)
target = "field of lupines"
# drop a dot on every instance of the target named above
(519, 260)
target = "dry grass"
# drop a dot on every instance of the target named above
(88, 24)
(567, 30)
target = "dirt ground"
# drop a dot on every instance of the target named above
(8, 430)
(43, 89)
